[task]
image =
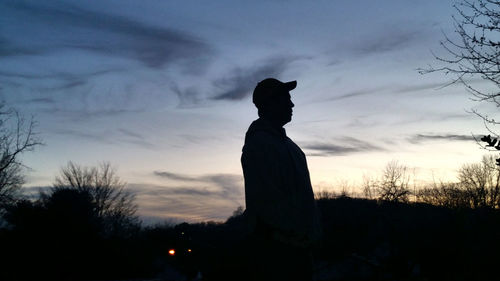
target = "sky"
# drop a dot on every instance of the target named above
(162, 90)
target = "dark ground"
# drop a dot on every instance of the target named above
(363, 240)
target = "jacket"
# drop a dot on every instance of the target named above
(278, 192)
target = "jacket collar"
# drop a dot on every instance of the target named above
(263, 124)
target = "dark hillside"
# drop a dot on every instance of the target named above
(363, 240)
(400, 241)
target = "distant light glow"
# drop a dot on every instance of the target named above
(189, 250)
(171, 252)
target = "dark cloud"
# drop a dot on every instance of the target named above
(241, 82)
(389, 40)
(353, 94)
(187, 97)
(50, 85)
(175, 176)
(73, 27)
(418, 138)
(343, 146)
(58, 75)
(10, 49)
(65, 85)
(230, 185)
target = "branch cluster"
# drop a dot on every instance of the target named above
(478, 186)
(111, 201)
(17, 135)
(476, 54)
(393, 185)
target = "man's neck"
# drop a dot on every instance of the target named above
(273, 122)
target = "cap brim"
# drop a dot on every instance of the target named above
(290, 85)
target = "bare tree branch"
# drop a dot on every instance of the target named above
(112, 201)
(475, 55)
(17, 136)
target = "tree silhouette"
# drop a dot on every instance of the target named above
(481, 183)
(450, 195)
(17, 136)
(478, 186)
(395, 183)
(112, 202)
(475, 56)
(392, 185)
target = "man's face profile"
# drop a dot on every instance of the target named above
(280, 108)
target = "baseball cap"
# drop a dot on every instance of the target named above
(269, 88)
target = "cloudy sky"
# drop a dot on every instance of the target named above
(162, 90)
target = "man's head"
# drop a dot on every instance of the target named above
(272, 99)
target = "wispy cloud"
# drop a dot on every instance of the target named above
(130, 133)
(242, 81)
(419, 87)
(169, 202)
(418, 138)
(8, 48)
(431, 117)
(390, 40)
(177, 203)
(175, 176)
(56, 75)
(386, 89)
(191, 197)
(99, 137)
(104, 33)
(356, 93)
(79, 115)
(342, 146)
(133, 137)
(107, 137)
(40, 101)
(71, 91)
(187, 97)
(229, 185)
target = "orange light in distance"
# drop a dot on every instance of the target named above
(189, 250)
(171, 252)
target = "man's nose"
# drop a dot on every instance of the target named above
(291, 104)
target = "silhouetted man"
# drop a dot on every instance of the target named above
(280, 204)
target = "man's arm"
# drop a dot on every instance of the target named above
(264, 195)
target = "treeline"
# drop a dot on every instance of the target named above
(382, 240)
(81, 228)
(85, 228)
(477, 186)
